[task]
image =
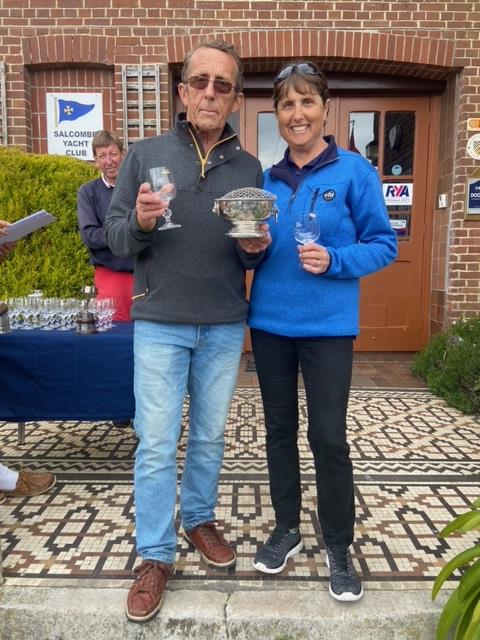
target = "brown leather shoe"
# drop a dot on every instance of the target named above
(145, 597)
(212, 546)
(32, 483)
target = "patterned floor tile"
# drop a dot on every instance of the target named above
(415, 464)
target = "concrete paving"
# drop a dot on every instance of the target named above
(40, 613)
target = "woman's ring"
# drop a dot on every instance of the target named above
(318, 263)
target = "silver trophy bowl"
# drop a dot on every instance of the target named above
(246, 209)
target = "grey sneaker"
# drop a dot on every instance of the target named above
(282, 544)
(345, 584)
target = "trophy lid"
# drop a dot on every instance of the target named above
(248, 193)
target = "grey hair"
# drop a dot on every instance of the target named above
(219, 45)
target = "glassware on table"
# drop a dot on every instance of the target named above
(23, 313)
(15, 312)
(161, 177)
(67, 310)
(307, 228)
(47, 313)
(102, 310)
(30, 313)
(110, 308)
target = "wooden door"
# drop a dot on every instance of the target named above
(393, 134)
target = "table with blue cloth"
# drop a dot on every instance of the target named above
(63, 375)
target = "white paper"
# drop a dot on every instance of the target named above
(23, 227)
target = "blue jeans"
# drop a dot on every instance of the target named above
(170, 360)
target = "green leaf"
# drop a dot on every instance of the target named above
(466, 621)
(451, 611)
(456, 562)
(476, 613)
(469, 581)
(473, 630)
(465, 522)
(477, 503)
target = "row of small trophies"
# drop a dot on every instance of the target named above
(84, 315)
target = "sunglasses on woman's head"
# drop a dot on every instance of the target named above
(220, 86)
(306, 68)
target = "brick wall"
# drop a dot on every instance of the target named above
(437, 40)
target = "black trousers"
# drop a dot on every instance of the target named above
(326, 365)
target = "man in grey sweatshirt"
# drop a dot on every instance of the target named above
(189, 311)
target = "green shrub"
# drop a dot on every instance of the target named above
(450, 365)
(53, 259)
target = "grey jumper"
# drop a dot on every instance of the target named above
(194, 274)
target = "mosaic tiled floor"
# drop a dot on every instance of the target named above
(415, 462)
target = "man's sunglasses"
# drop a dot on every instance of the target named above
(220, 86)
(306, 68)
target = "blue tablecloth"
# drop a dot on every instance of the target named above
(61, 375)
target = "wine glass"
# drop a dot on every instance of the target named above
(307, 228)
(162, 177)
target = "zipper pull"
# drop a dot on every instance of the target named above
(203, 162)
(314, 200)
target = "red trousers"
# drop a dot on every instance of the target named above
(117, 285)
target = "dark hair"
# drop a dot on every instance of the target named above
(219, 45)
(302, 82)
(105, 138)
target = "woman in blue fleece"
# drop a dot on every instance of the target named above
(304, 310)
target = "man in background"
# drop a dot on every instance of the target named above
(113, 274)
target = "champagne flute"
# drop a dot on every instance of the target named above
(162, 177)
(307, 228)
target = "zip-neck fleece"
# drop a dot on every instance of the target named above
(288, 171)
(203, 157)
(193, 274)
(355, 229)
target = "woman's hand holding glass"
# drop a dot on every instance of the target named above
(313, 257)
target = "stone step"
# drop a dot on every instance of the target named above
(78, 613)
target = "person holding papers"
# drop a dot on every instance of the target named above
(5, 247)
(19, 483)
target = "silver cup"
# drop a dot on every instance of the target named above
(246, 209)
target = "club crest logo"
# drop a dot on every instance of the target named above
(329, 195)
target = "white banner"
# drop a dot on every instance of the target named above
(72, 121)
